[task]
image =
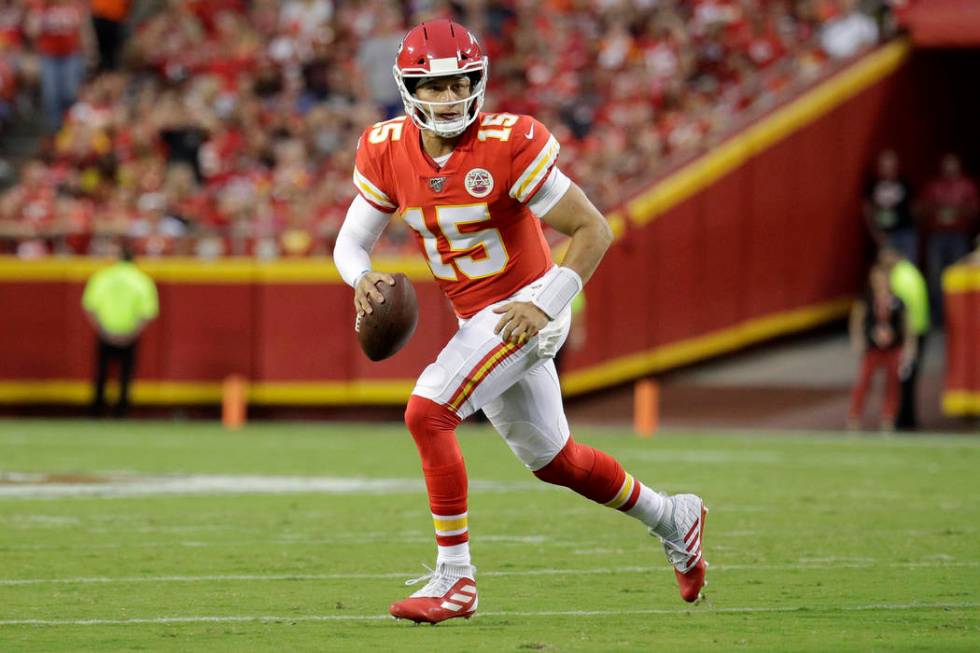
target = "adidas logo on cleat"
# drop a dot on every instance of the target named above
(450, 593)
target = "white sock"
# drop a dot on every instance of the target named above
(651, 508)
(457, 554)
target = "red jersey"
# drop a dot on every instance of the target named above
(470, 217)
(60, 30)
(953, 204)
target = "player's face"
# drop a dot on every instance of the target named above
(449, 92)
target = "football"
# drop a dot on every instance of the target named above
(386, 330)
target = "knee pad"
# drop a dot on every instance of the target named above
(423, 414)
(433, 428)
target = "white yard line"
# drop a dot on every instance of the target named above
(509, 614)
(279, 542)
(32, 486)
(104, 580)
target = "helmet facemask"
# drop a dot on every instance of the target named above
(423, 112)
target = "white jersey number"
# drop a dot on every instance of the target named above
(387, 130)
(502, 120)
(486, 254)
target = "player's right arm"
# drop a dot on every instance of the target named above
(366, 219)
(352, 253)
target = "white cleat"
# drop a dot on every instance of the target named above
(683, 544)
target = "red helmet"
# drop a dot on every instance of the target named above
(440, 48)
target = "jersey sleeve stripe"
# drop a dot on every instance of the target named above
(536, 172)
(371, 192)
(374, 204)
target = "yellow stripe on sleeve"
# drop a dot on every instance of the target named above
(536, 173)
(365, 186)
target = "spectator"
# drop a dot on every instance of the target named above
(182, 136)
(908, 284)
(56, 27)
(8, 90)
(881, 335)
(119, 302)
(949, 209)
(109, 24)
(375, 58)
(850, 32)
(888, 208)
(8, 106)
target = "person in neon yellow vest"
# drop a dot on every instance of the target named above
(909, 285)
(119, 301)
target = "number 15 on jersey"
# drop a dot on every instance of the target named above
(483, 251)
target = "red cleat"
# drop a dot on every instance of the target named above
(683, 546)
(450, 593)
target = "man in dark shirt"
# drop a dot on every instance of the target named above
(888, 208)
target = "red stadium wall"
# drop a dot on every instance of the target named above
(760, 237)
(286, 326)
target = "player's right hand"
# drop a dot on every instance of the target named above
(367, 292)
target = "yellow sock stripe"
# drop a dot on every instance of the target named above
(450, 524)
(475, 380)
(624, 493)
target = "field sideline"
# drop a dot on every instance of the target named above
(177, 536)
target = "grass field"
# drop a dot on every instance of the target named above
(296, 537)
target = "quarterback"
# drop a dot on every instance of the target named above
(474, 188)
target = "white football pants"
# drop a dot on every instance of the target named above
(517, 387)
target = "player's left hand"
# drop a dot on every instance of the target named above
(521, 321)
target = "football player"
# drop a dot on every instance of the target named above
(474, 188)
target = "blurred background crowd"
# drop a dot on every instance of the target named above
(228, 127)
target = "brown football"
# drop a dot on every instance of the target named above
(386, 330)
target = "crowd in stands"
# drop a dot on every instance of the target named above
(228, 127)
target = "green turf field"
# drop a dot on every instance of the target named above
(816, 542)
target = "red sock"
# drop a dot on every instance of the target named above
(433, 427)
(593, 474)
